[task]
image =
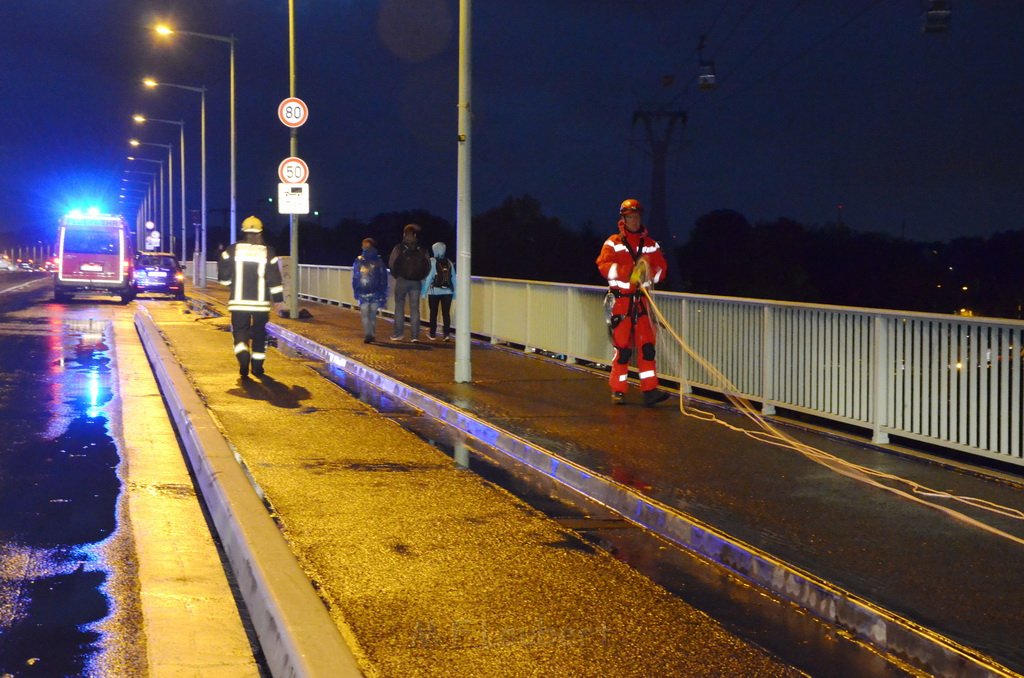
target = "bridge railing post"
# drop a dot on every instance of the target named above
(880, 391)
(767, 360)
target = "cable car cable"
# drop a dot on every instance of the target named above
(719, 101)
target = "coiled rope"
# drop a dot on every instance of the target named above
(770, 434)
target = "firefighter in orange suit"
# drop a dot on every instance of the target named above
(631, 260)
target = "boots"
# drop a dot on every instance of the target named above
(257, 368)
(653, 397)
(243, 364)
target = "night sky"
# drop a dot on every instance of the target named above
(821, 103)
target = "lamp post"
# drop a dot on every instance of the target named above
(163, 29)
(464, 199)
(143, 199)
(165, 205)
(181, 161)
(199, 267)
(144, 202)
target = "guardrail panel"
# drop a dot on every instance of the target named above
(947, 380)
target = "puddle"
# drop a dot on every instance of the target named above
(58, 498)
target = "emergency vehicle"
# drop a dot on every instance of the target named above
(95, 254)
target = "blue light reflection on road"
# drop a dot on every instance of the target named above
(58, 499)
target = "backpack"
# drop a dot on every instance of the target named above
(443, 274)
(412, 263)
(366, 282)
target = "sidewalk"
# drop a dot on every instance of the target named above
(912, 560)
(428, 569)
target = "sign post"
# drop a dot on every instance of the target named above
(293, 172)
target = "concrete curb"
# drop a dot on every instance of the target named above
(888, 632)
(296, 632)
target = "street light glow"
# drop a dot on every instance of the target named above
(149, 82)
(139, 118)
(133, 142)
(163, 29)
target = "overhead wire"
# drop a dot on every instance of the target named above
(772, 435)
(720, 100)
(771, 31)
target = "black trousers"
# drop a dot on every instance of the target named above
(246, 327)
(445, 303)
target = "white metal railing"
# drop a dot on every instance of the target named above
(947, 380)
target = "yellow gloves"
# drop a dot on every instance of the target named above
(640, 272)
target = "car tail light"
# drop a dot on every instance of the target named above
(179, 276)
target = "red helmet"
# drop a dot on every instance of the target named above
(630, 205)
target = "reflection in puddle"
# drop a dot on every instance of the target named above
(58, 499)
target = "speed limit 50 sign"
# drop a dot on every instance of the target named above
(293, 112)
(293, 171)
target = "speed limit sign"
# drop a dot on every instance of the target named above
(292, 112)
(293, 171)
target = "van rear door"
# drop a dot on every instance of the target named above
(92, 254)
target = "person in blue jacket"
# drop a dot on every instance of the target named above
(370, 287)
(439, 287)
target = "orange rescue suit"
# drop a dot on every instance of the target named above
(630, 325)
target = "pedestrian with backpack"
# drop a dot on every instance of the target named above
(369, 287)
(439, 286)
(409, 264)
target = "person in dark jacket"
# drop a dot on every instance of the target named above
(249, 268)
(439, 286)
(369, 287)
(409, 265)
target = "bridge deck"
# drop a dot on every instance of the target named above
(911, 559)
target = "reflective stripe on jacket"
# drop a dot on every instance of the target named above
(252, 273)
(616, 263)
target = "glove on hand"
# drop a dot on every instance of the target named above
(639, 273)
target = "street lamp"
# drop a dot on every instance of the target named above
(199, 267)
(140, 119)
(165, 205)
(145, 201)
(163, 29)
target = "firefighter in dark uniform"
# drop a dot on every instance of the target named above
(249, 268)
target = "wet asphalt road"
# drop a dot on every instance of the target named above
(62, 554)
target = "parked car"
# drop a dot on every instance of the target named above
(159, 273)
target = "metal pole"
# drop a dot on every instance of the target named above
(165, 245)
(293, 230)
(464, 202)
(161, 224)
(183, 220)
(200, 273)
(234, 218)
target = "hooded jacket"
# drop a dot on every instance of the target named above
(616, 260)
(370, 278)
(439, 249)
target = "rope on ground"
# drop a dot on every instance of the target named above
(771, 435)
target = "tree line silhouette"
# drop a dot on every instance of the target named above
(725, 255)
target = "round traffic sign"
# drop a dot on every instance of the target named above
(293, 112)
(293, 171)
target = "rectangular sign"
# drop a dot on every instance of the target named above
(293, 198)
